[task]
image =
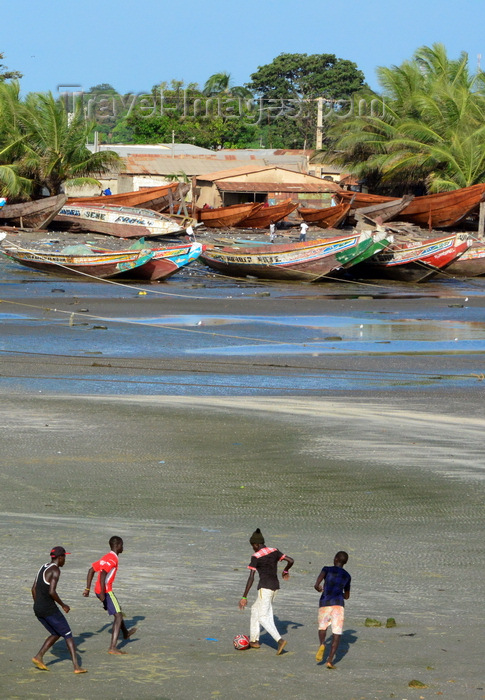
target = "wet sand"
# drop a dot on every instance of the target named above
(390, 471)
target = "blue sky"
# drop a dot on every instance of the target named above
(134, 45)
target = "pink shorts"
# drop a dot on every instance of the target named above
(331, 615)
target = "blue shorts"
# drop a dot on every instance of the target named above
(110, 603)
(56, 624)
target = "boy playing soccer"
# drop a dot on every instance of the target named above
(335, 590)
(107, 567)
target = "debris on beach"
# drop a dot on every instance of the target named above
(370, 622)
(416, 684)
(390, 622)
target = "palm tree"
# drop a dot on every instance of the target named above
(219, 85)
(41, 146)
(54, 149)
(430, 129)
(11, 139)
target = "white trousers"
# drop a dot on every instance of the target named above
(262, 615)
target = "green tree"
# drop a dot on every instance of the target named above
(288, 88)
(41, 145)
(12, 184)
(191, 117)
(220, 84)
(428, 131)
(55, 150)
(5, 73)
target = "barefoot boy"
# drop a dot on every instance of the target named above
(107, 568)
(45, 598)
(336, 589)
(265, 562)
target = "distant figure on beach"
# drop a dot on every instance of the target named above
(265, 562)
(190, 233)
(303, 230)
(107, 192)
(335, 590)
(272, 231)
(107, 568)
(45, 598)
(3, 201)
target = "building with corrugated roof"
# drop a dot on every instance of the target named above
(270, 184)
(151, 165)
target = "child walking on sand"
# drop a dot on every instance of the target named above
(265, 561)
(335, 590)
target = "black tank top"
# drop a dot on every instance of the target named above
(43, 604)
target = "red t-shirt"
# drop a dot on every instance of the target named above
(108, 563)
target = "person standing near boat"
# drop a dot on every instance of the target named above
(265, 562)
(335, 591)
(45, 597)
(272, 231)
(303, 230)
(107, 568)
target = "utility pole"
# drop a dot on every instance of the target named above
(481, 220)
(319, 135)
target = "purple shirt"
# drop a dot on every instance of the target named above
(336, 582)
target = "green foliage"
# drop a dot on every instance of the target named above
(6, 74)
(219, 116)
(220, 84)
(189, 116)
(289, 87)
(42, 146)
(293, 75)
(428, 130)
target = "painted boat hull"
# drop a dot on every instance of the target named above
(470, 264)
(166, 262)
(309, 261)
(98, 264)
(123, 222)
(416, 261)
(262, 217)
(35, 214)
(225, 217)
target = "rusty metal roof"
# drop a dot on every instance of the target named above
(234, 172)
(152, 164)
(300, 187)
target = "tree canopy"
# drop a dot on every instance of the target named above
(428, 131)
(288, 88)
(42, 146)
(294, 75)
(5, 73)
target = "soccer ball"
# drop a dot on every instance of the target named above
(241, 641)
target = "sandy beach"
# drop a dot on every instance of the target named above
(172, 436)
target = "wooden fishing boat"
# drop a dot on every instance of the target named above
(361, 199)
(124, 222)
(415, 261)
(166, 261)
(470, 264)
(309, 260)
(224, 217)
(328, 217)
(384, 211)
(79, 260)
(153, 198)
(440, 210)
(264, 216)
(35, 214)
